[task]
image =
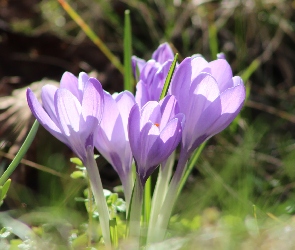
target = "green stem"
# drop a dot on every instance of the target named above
(97, 189)
(147, 200)
(22, 151)
(135, 212)
(159, 231)
(160, 191)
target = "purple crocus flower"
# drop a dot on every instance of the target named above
(154, 133)
(151, 83)
(208, 95)
(72, 112)
(112, 136)
(162, 54)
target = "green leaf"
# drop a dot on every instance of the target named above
(169, 77)
(4, 189)
(128, 80)
(23, 150)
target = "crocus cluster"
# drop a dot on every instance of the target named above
(203, 99)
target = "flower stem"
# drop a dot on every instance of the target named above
(97, 189)
(159, 231)
(160, 191)
(135, 211)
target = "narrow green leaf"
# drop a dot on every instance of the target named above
(128, 80)
(22, 151)
(169, 77)
(213, 41)
(250, 69)
(4, 189)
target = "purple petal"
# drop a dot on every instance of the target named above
(231, 103)
(169, 108)
(43, 117)
(125, 101)
(150, 112)
(184, 74)
(137, 63)
(134, 129)
(148, 136)
(221, 71)
(141, 95)
(68, 113)
(163, 53)
(148, 71)
(82, 80)
(47, 96)
(164, 145)
(70, 82)
(157, 85)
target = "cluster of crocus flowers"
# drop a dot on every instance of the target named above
(203, 99)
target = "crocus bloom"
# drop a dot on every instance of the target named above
(162, 54)
(153, 74)
(112, 136)
(208, 95)
(72, 112)
(154, 133)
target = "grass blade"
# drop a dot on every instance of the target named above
(93, 37)
(169, 77)
(128, 80)
(22, 151)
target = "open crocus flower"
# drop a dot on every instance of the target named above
(112, 136)
(154, 133)
(208, 95)
(72, 112)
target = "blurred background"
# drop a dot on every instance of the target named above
(251, 162)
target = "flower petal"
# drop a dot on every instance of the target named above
(150, 112)
(169, 108)
(43, 118)
(68, 113)
(47, 96)
(125, 101)
(137, 63)
(70, 82)
(163, 53)
(141, 95)
(221, 71)
(134, 129)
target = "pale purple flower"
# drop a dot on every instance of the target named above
(112, 140)
(154, 133)
(162, 54)
(208, 95)
(72, 112)
(151, 83)
(153, 74)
